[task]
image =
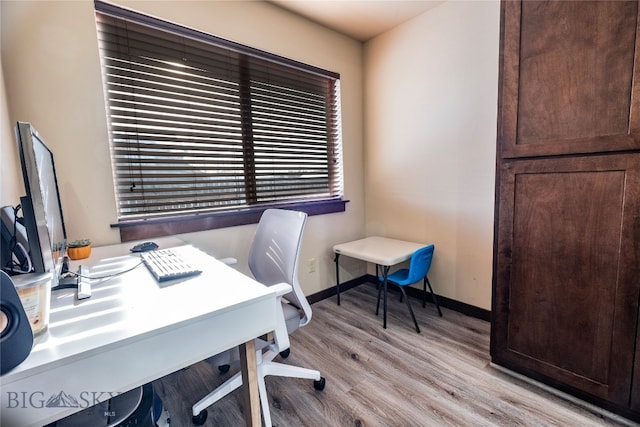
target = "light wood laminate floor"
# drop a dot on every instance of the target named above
(378, 377)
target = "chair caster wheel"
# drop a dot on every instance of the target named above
(223, 369)
(285, 353)
(200, 418)
(319, 384)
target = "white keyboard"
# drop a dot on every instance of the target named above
(167, 264)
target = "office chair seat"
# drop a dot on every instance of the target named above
(419, 266)
(291, 317)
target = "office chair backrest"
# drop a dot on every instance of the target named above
(420, 263)
(275, 251)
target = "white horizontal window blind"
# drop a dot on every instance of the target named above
(201, 124)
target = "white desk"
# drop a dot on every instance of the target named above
(382, 252)
(134, 330)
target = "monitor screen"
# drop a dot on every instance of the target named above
(41, 206)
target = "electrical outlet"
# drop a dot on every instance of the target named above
(312, 265)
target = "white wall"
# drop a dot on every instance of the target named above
(430, 129)
(52, 79)
(11, 186)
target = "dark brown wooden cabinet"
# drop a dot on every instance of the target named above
(567, 242)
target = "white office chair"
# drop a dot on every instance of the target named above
(273, 261)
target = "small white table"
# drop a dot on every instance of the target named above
(134, 330)
(381, 251)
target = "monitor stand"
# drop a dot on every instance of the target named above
(79, 280)
(84, 286)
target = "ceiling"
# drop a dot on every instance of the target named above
(359, 19)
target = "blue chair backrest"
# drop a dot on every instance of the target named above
(420, 263)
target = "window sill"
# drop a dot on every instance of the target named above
(167, 226)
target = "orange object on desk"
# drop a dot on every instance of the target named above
(81, 252)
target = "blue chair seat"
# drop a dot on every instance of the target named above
(400, 277)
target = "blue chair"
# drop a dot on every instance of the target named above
(419, 266)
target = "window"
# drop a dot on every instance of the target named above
(205, 132)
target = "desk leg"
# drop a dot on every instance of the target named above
(378, 287)
(249, 367)
(337, 277)
(385, 273)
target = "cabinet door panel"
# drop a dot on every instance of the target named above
(566, 291)
(569, 83)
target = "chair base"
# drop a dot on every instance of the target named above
(266, 366)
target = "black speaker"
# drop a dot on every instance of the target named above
(16, 337)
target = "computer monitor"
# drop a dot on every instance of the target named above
(41, 206)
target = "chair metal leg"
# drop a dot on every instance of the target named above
(415, 322)
(424, 292)
(433, 295)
